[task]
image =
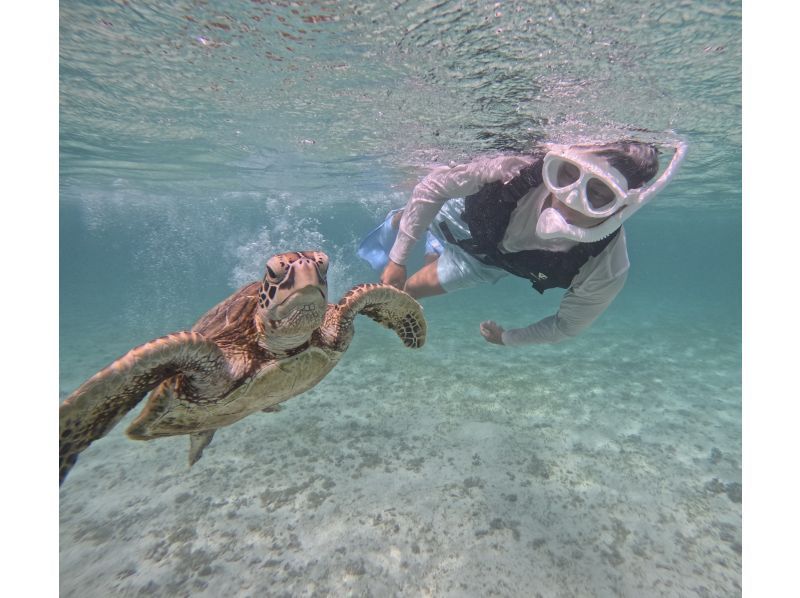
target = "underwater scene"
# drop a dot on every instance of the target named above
(198, 139)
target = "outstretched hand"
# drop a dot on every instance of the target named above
(492, 332)
(394, 274)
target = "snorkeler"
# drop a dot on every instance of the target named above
(553, 217)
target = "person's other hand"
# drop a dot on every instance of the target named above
(394, 274)
(492, 332)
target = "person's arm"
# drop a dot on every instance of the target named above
(445, 183)
(594, 289)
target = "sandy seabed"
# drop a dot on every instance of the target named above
(606, 466)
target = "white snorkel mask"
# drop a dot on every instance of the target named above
(586, 184)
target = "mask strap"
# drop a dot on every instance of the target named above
(648, 192)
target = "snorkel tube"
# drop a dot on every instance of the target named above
(552, 224)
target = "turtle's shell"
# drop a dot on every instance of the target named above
(260, 378)
(266, 343)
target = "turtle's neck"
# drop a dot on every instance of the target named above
(284, 344)
(274, 337)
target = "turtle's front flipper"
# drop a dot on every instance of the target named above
(388, 306)
(99, 403)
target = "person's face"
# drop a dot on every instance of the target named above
(601, 193)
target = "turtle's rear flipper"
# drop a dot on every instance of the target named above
(99, 403)
(197, 442)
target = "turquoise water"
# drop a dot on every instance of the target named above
(198, 139)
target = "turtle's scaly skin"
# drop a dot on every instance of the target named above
(266, 343)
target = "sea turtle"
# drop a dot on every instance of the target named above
(266, 343)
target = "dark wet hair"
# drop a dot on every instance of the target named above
(638, 162)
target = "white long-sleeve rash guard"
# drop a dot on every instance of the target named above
(594, 287)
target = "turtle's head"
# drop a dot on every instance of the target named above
(293, 298)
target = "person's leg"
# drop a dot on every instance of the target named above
(453, 270)
(425, 281)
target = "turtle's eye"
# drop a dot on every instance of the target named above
(275, 272)
(322, 262)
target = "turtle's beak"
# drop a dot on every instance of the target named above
(310, 296)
